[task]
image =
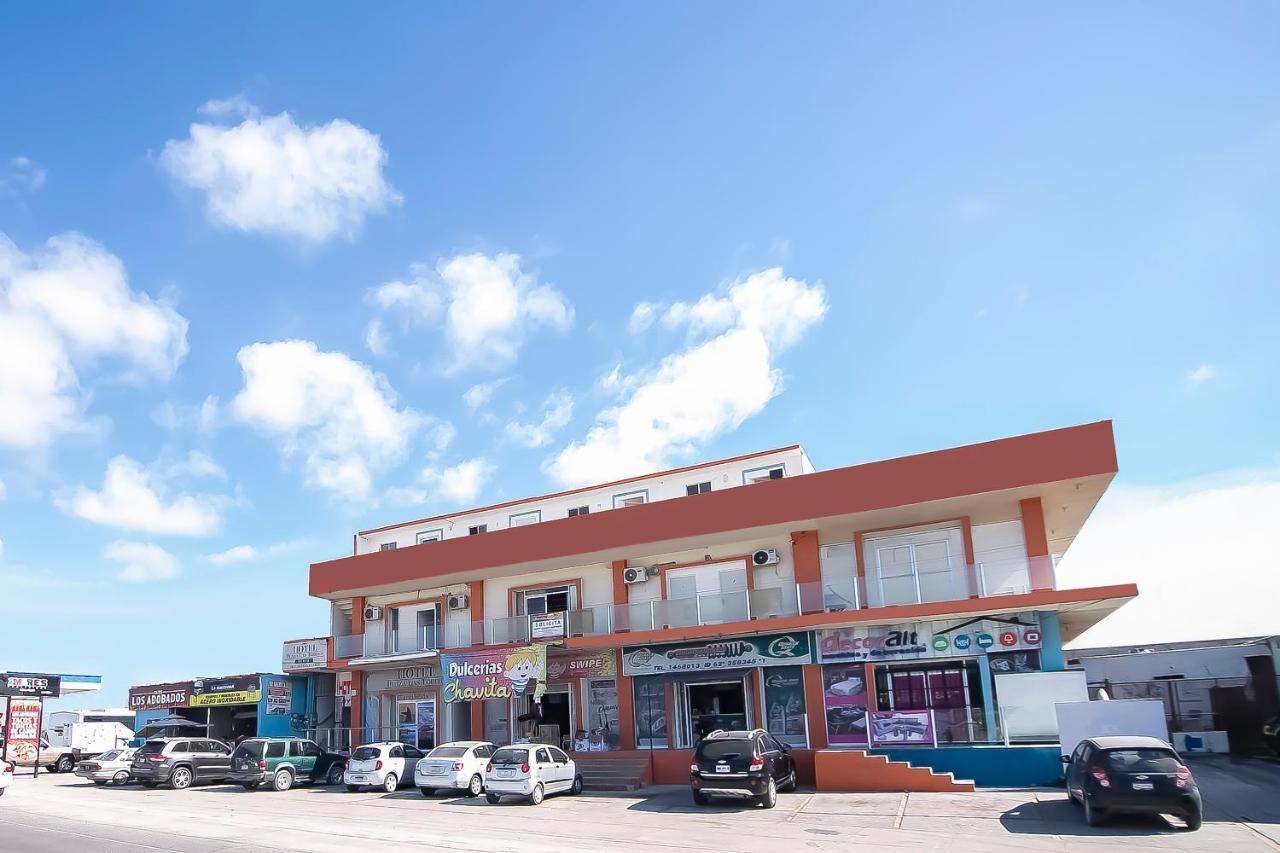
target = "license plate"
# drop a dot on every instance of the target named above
(505, 774)
(1144, 786)
(357, 777)
(720, 768)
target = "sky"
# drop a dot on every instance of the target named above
(274, 273)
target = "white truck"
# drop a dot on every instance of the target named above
(62, 745)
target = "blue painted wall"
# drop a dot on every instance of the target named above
(988, 766)
(281, 725)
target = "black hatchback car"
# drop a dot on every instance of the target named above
(741, 764)
(1141, 775)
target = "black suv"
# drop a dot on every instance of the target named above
(1108, 775)
(180, 761)
(741, 764)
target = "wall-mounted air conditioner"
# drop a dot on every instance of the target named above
(372, 613)
(765, 557)
(635, 574)
(459, 601)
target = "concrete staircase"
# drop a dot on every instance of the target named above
(605, 773)
(855, 771)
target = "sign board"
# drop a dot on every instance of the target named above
(562, 669)
(922, 640)
(498, 674)
(232, 690)
(1026, 700)
(766, 650)
(279, 696)
(547, 626)
(305, 654)
(1080, 720)
(343, 687)
(148, 697)
(895, 727)
(22, 731)
(402, 679)
(30, 684)
(844, 700)
(784, 705)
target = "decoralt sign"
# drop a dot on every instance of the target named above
(501, 674)
(234, 690)
(147, 697)
(917, 640)
(767, 650)
(305, 654)
(576, 667)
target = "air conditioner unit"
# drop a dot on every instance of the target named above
(372, 613)
(765, 557)
(635, 574)
(459, 601)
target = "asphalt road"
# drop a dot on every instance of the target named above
(62, 813)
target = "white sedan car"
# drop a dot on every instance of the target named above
(6, 775)
(111, 766)
(457, 766)
(530, 771)
(385, 765)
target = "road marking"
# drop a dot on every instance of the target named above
(902, 809)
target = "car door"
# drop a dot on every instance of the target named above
(215, 759)
(319, 761)
(304, 765)
(546, 769)
(564, 771)
(777, 758)
(1081, 765)
(479, 760)
(396, 761)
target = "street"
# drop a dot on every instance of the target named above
(58, 813)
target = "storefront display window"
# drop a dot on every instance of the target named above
(416, 723)
(706, 706)
(784, 708)
(950, 689)
(844, 698)
(602, 715)
(651, 713)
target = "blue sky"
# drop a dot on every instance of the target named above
(982, 221)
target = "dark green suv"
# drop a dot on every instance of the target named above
(282, 762)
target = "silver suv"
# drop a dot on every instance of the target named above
(180, 761)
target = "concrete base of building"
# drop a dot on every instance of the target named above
(853, 770)
(995, 765)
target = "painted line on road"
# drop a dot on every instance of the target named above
(902, 810)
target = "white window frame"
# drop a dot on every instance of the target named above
(577, 511)
(747, 479)
(571, 595)
(477, 529)
(622, 496)
(387, 546)
(535, 513)
(697, 488)
(438, 532)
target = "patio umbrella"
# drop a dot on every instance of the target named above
(172, 722)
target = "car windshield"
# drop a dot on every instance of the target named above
(1143, 760)
(510, 755)
(448, 752)
(366, 753)
(151, 747)
(248, 749)
(110, 755)
(725, 749)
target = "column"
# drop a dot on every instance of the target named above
(1051, 657)
(1039, 566)
(814, 706)
(988, 698)
(808, 570)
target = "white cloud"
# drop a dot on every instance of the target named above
(340, 416)
(1199, 551)
(4, 492)
(457, 484)
(487, 304)
(64, 308)
(726, 374)
(235, 105)
(250, 553)
(555, 417)
(202, 418)
(21, 174)
(1200, 375)
(140, 562)
(272, 175)
(132, 498)
(199, 464)
(642, 316)
(374, 338)
(479, 395)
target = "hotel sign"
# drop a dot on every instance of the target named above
(736, 653)
(305, 654)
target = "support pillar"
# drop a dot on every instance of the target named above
(814, 706)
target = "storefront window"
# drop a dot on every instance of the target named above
(713, 705)
(602, 715)
(784, 705)
(416, 723)
(951, 689)
(651, 713)
(844, 698)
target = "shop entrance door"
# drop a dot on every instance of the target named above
(556, 711)
(416, 723)
(711, 705)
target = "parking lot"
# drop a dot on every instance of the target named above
(57, 813)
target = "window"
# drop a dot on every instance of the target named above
(310, 750)
(182, 747)
(397, 751)
(543, 756)
(477, 529)
(387, 546)
(579, 510)
(759, 475)
(295, 749)
(520, 519)
(430, 536)
(697, 488)
(483, 751)
(275, 749)
(551, 599)
(631, 498)
(557, 755)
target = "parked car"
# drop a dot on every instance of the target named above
(6, 775)
(1108, 775)
(283, 761)
(457, 766)
(111, 766)
(180, 762)
(741, 764)
(531, 771)
(385, 765)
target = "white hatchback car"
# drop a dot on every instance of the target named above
(6, 775)
(531, 771)
(385, 765)
(112, 766)
(457, 766)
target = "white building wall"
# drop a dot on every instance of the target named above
(1000, 549)
(1220, 662)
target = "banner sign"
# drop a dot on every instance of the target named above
(343, 688)
(22, 734)
(147, 697)
(844, 700)
(565, 668)
(901, 727)
(233, 690)
(547, 626)
(921, 640)
(305, 654)
(498, 674)
(279, 696)
(784, 705)
(402, 678)
(767, 650)
(30, 684)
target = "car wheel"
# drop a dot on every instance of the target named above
(65, 764)
(475, 786)
(790, 784)
(335, 775)
(1193, 818)
(252, 786)
(100, 782)
(576, 787)
(283, 780)
(390, 783)
(121, 778)
(769, 798)
(181, 779)
(701, 799)
(353, 788)
(1092, 816)
(493, 799)
(535, 796)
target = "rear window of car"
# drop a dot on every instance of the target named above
(507, 755)
(249, 749)
(151, 747)
(448, 752)
(110, 755)
(725, 748)
(366, 753)
(1143, 760)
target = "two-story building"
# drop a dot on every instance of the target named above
(840, 610)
